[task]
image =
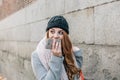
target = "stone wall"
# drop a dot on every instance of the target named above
(94, 27)
(8, 7)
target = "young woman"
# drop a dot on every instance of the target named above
(63, 61)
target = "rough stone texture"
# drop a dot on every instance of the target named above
(36, 11)
(107, 21)
(37, 29)
(14, 67)
(101, 62)
(94, 28)
(56, 8)
(71, 5)
(18, 19)
(21, 49)
(22, 32)
(17, 62)
(81, 25)
(43, 9)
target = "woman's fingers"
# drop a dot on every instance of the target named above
(53, 44)
(56, 48)
(59, 46)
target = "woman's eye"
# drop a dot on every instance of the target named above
(61, 33)
(52, 32)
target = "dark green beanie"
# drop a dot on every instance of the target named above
(58, 22)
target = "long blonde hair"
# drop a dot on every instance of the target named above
(67, 52)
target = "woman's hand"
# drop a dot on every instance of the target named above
(56, 48)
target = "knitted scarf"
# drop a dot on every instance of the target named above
(45, 56)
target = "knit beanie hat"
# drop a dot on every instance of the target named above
(58, 22)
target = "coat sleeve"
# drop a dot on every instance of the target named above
(79, 57)
(55, 64)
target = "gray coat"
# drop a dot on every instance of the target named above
(54, 73)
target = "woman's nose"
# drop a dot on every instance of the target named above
(56, 35)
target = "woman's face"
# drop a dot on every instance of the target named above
(56, 33)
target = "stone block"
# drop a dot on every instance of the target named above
(107, 21)
(36, 11)
(22, 33)
(25, 49)
(12, 66)
(4, 34)
(55, 7)
(4, 46)
(22, 49)
(81, 26)
(15, 62)
(19, 33)
(101, 62)
(1, 35)
(13, 20)
(28, 71)
(43, 9)
(9, 47)
(38, 30)
(71, 5)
